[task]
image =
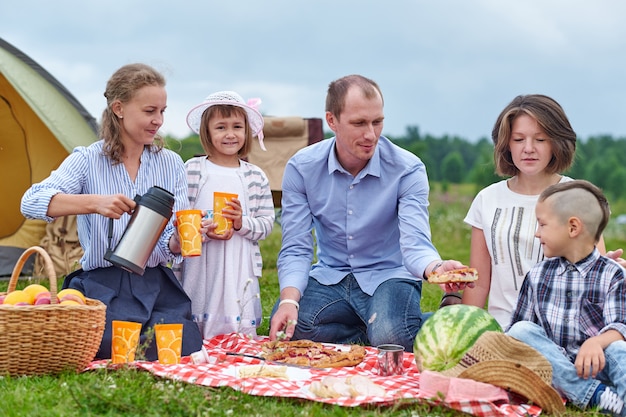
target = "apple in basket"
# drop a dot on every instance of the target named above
(38, 294)
(70, 296)
(17, 298)
(42, 298)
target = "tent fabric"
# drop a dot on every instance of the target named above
(40, 124)
(284, 136)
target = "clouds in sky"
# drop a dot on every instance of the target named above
(447, 66)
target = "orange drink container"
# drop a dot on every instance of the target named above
(189, 223)
(169, 339)
(125, 340)
(219, 202)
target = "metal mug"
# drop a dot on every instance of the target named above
(390, 359)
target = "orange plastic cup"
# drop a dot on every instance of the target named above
(124, 341)
(189, 223)
(169, 339)
(219, 202)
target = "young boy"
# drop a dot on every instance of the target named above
(572, 305)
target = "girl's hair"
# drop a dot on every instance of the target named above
(577, 199)
(122, 86)
(223, 110)
(337, 90)
(550, 116)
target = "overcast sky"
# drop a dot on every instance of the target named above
(445, 66)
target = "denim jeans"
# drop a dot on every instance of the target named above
(343, 313)
(564, 377)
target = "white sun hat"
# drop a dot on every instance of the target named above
(230, 98)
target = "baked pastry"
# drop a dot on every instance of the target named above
(313, 354)
(466, 274)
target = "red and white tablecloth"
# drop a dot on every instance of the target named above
(402, 387)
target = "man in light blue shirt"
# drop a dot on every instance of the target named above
(364, 202)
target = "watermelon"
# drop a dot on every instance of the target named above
(448, 334)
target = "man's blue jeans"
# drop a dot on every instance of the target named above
(564, 378)
(343, 313)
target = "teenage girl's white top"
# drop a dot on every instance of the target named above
(508, 222)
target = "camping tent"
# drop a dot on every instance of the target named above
(40, 123)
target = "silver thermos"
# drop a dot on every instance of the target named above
(151, 215)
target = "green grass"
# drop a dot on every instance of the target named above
(130, 392)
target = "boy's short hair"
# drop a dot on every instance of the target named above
(577, 199)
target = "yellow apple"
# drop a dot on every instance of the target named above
(33, 290)
(67, 302)
(71, 294)
(18, 298)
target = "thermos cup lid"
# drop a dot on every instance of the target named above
(159, 200)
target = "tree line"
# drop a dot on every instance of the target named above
(455, 160)
(451, 159)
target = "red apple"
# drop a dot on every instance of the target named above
(42, 298)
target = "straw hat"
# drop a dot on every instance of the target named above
(230, 98)
(500, 360)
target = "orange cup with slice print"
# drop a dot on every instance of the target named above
(189, 223)
(169, 339)
(124, 342)
(219, 202)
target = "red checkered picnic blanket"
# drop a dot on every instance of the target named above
(398, 388)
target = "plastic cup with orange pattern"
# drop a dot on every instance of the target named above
(169, 339)
(189, 223)
(219, 202)
(124, 341)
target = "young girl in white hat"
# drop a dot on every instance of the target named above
(223, 282)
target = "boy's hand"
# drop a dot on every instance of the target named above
(590, 359)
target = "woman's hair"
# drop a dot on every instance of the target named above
(578, 198)
(122, 86)
(550, 116)
(337, 90)
(223, 110)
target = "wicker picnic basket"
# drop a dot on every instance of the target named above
(49, 338)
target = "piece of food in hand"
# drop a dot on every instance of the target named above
(466, 274)
(351, 387)
(313, 354)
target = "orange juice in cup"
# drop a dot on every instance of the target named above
(219, 202)
(169, 339)
(189, 223)
(124, 341)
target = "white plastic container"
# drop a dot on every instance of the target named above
(202, 356)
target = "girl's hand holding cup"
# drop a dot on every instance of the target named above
(226, 215)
